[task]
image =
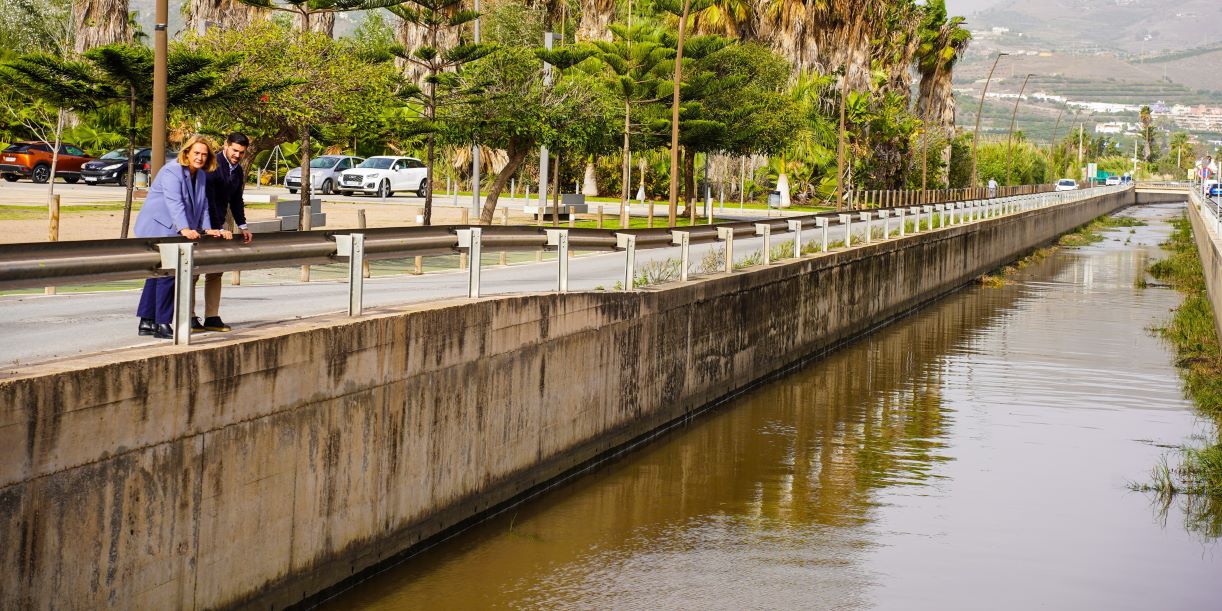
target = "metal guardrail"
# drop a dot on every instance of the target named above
(63, 263)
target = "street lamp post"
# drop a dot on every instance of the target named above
(160, 45)
(1010, 136)
(980, 111)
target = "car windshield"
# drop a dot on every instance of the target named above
(115, 154)
(377, 163)
(323, 162)
(1066, 183)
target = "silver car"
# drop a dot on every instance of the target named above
(324, 173)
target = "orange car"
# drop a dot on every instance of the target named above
(33, 160)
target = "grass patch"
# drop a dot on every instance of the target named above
(28, 213)
(1197, 479)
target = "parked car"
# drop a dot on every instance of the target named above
(324, 173)
(33, 160)
(1067, 184)
(1215, 190)
(384, 175)
(112, 167)
(1112, 181)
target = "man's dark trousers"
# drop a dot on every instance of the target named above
(157, 300)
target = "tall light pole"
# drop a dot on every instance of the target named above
(980, 111)
(1010, 136)
(844, 97)
(160, 73)
(674, 120)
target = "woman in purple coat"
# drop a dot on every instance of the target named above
(177, 205)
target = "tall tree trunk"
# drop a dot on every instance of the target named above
(131, 161)
(626, 172)
(596, 17)
(225, 14)
(100, 22)
(323, 23)
(689, 179)
(59, 130)
(305, 174)
(517, 154)
(589, 182)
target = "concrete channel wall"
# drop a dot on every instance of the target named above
(263, 469)
(1209, 245)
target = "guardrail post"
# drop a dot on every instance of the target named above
(560, 239)
(470, 240)
(821, 223)
(180, 257)
(726, 234)
(865, 218)
(847, 221)
(901, 213)
(941, 208)
(682, 239)
(627, 241)
(764, 229)
(352, 245)
(796, 228)
(928, 210)
(916, 219)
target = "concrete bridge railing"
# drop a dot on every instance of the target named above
(61, 263)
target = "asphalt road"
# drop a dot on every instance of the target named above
(39, 328)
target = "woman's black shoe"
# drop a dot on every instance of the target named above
(164, 331)
(147, 326)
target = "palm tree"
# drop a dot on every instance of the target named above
(227, 14)
(100, 22)
(596, 16)
(943, 41)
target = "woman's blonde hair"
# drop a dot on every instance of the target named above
(209, 165)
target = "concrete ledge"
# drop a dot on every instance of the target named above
(1209, 245)
(262, 469)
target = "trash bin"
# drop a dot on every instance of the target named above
(774, 199)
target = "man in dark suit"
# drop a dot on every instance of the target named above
(225, 186)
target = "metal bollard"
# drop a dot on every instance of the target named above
(847, 221)
(821, 223)
(470, 240)
(726, 234)
(764, 229)
(683, 239)
(560, 239)
(352, 245)
(180, 258)
(865, 217)
(796, 228)
(627, 242)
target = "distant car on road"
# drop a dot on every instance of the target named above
(325, 173)
(112, 167)
(1215, 190)
(33, 160)
(1112, 181)
(1067, 184)
(383, 175)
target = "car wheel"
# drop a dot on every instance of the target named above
(327, 187)
(11, 177)
(294, 191)
(72, 180)
(424, 186)
(384, 190)
(41, 173)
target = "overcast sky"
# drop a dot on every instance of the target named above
(967, 7)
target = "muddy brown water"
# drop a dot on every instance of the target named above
(975, 454)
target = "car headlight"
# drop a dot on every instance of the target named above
(113, 166)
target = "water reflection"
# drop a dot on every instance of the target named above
(977, 450)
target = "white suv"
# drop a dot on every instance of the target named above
(383, 176)
(1067, 184)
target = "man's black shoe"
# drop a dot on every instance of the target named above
(164, 331)
(147, 326)
(196, 325)
(214, 323)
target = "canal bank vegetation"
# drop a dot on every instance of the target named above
(1197, 479)
(1082, 236)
